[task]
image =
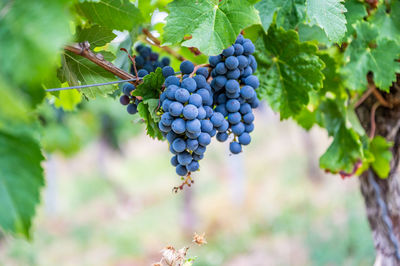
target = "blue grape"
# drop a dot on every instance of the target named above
(222, 136)
(213, 132)
(175, 108)
(224, 126)
(233, 95)
(166, 119)
(171, 136)
(186, 67)
(193, 166)
(205, 95)
(245, 139)
(253, 63)
(255, 103)
(179, 145)
(220, 81)
(193, 126)
(201, 113)
(165, 61)
(209, 111)
(132, 108)
(200, 81)
(142, 73)
(170, 91)
(192, 144)
(247, 92)
(172, 150)
(243, 62)
(220, 68)
(206, 126)
(192, 135)
(197, 157)
(249, 128)
(231, 63)
(248, 118)
(204, 139)
(235, 147)
(190, 112)
(174, 160)
(163, 128)
(163, 96)
(233, 74)
(238, 129)
(124, 100)
(248, 48)
(196, 100)
(200, 150)
(189, 84)
(217, 119)
(181, 170)
(228, 51)
(172, 80)
(185, 158)
(168, 71)
(214, 60)
(202, 71)
(221, 99)
(239, 39)
(252, 81)
(178, 126)
(165, 105)
(234, 118)
(221, 109)
(182, 95)
(139, 61)
(245, 108)
(238, 49)
(128, 88)
(247, 72)
(232, 105)
(232, 86)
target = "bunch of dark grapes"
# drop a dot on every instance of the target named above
(234, 89)
(147, 61)
(186, 106)
(127, 99)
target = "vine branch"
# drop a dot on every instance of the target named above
(83, 49)
(157, 43)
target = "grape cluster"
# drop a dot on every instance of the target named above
(127, 98)
(234, 88)
(187, 114)
(147, 61)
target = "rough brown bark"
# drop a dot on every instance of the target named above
(387, 125)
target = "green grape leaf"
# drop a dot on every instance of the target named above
(147, 110)
(78, 70)
(332, 81)
(346, 148)
(312, 33)
(366, 54)
(288, 71)
(95, 35)
(329, 16)
(380, 149)
(388, 23)
(212, 24)
(31, 36)
(288, 13)
(151, 86)
(68, 100)
(19, 186)
(355, 11)
(114, 14)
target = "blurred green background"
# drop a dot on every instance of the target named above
(111, 202)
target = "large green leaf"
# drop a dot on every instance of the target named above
(366, 54)
(355, 11)
(380, 149)
(213, 24)
(95, 35)
(32, 34)
(388, 23)
(78, 70)
(287, 13)
(114, 14)
(288, 71)
(328, 15)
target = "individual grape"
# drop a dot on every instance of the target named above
(247, 92)
(245, 139)
(205, 95)
(221, 109)
(206, 126)
(191, 135)
(170, 92)
(190, 112)
(247, 72)
(149, 67)
(153, 56)
(171, 136)
(172, 150)
(252, 81)
(192, 144)
(221, 99)
(193, 126)
(224, 126)
(248, 47)
(128, 88)
(185, 158)
(220, 68)
(238, 49)
(213, 132)
(186, 67)
(174, 160)
(139, 61)
(182, 95)
(200, 150)
(142, 73)
(248, 128)
(166, 119)
(175, 108)
(124, 100)
(197, 157)
(214, 60)
(178, 126)
(204, 139)
(253, 63)
(232, 105)
(179, 145)
(201, 113)
(231, 63)
(164, 128)
(254, 104)
(200, 81)
(220, 81)
(209, 111)
(202, 71)
(168, 71)
(181, 170)
(243, 62)
(240, 39)
(189, 84)
(238, 129)
(235, 95)
(217, 119)
(172, 80)
(132, 108)
(235, 147)
(222, 136)
(165, 61)
(248, 118)
(233, 74)
(245, 108)
(228, 51)
(232, 86)
(196, 100)
(165, 105)
(193, 166)
(234, 118)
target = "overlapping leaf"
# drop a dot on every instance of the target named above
(388, 23)
(212, 24)
(95, 35)
(379, 148)
(288, 71)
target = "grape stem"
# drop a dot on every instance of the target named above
(196, 68)
(373, 124)
(156, 42)
(188, 181)
(83, 49)
(132, 58)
